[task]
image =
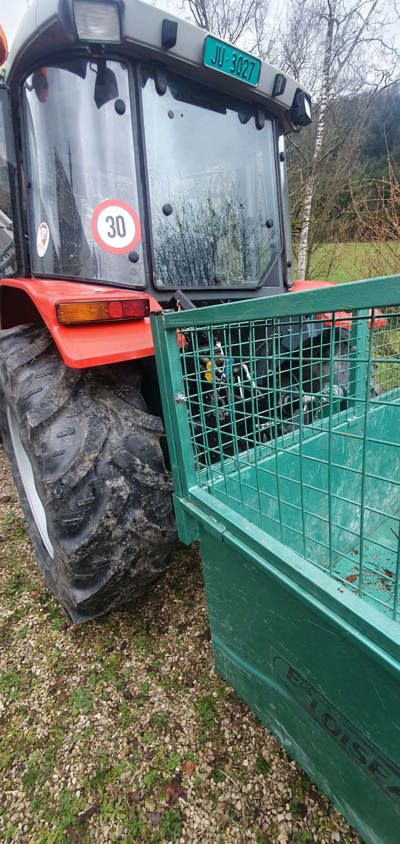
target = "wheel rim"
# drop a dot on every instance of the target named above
(28, 481)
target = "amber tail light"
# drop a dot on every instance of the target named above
(115, 310)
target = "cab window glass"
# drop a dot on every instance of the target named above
(84, 208)
(213, 187)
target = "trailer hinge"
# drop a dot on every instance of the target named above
(180, 398)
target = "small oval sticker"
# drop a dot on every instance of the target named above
(42, 239)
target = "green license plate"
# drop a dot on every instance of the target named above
(229, 60)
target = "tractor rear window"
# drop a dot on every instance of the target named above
(84, 214)
(213, 187)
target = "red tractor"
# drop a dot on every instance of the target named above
(142, 167)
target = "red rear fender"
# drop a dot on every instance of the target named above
(34, 300)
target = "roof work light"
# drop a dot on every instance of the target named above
(97, 22)
(301, 111)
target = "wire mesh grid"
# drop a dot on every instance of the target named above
(294, 424)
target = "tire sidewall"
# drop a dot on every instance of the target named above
(40, 549)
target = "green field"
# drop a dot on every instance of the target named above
(350, 261)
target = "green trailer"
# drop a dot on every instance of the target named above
(283, 425)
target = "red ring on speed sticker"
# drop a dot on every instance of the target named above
(115, 226)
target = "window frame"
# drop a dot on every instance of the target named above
(14, 183)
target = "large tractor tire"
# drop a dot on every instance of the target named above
(88, 464)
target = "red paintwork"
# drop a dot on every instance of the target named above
(300, 284)
(3, 46)
(341, 317)
(82, 346)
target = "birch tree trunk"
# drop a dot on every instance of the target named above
(311, 182)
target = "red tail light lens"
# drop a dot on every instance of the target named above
(79, 313)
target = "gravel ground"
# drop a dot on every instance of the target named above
(121, 730)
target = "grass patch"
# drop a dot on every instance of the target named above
(142, 643)
(341, 262)
(39, 767)
(149, 738)
(302, 837)
(10, 684)
(301, 786)
(160, 720)
(68, 808)
(207, 712)
(171, 825)
(113, 727)
(82, 701)
(10, 832)
(14, 525)
(150, 779)
(173, 762)
(263, 766)
(17, 585)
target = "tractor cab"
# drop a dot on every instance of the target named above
(150, 155)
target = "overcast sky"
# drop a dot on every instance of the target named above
(10, 14)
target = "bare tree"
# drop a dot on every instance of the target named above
(232, 20)
(376, 208)
(352, 56)
(338, 49)
(310, 185)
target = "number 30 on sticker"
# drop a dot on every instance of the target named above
(115, 226)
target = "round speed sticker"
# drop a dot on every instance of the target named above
(115, 226)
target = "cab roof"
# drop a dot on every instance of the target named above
(47, 32)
